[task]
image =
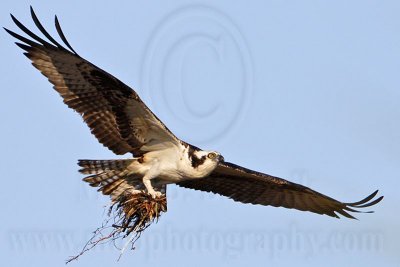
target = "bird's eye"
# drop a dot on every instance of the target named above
(212, 155)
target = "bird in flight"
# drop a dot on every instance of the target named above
(120, 121)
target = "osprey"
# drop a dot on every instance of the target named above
(120, 121)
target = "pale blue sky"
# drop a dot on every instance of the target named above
(305, 90)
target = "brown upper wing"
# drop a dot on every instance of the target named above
(113, 111)
(247, 186)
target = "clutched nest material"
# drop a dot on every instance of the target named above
(136, 212)
(129, 216)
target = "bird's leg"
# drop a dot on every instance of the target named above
(147, 183)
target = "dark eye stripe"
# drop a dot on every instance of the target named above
(196, 161)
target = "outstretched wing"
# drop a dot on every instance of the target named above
(112, 110)
(247, 186)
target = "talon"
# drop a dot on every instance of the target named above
(150, 189)
(155, 194)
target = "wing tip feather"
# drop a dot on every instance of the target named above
(62, 35)
(364, 203)
(49, 43)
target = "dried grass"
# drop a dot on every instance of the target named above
(127, 217)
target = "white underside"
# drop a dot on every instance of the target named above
(169, 165)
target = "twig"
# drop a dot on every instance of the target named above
(131, 215)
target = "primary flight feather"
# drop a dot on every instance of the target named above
(119, 119)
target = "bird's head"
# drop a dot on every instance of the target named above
(214, 156)
(204, 162)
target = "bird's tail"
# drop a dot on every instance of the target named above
(111, 176)
(99, 166)
(114, 178)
